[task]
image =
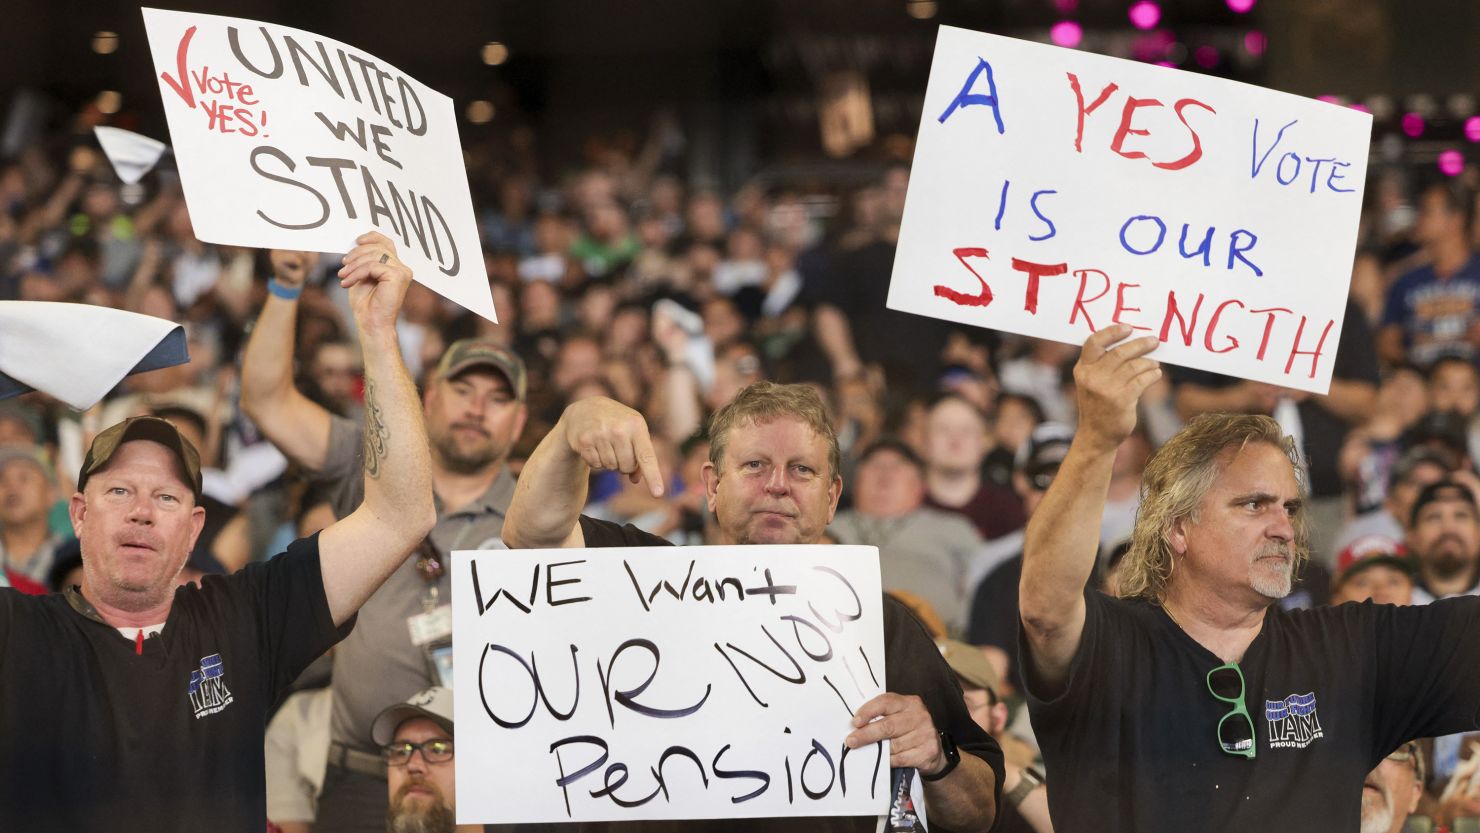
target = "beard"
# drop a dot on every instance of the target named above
(461, 459)
(1272, 579)
(1377, 811)
(1447, 563)
(429, 816)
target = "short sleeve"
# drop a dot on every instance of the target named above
(1395, 309)
(599, 533)
(294, 625)
(913, 665)
(1427, 679)
(1097, 643)
(343, 466)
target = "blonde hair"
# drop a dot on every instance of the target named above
(765, 401)
(1177, 478)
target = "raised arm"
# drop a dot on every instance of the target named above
(294, 423)
(593, 434)
(359, 553)
(1063, 535)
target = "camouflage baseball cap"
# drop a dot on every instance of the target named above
(472, 352)
(153, 428)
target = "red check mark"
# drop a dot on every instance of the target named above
(182, 87)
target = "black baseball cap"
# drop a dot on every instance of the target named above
(1441, 490)
(162, 431)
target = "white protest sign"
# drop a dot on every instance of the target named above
(286, 139)
(666, 683)
(1056, 192)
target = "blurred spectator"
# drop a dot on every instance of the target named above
(1040, 375)
(1024, 805)
(1434, 310)
(417, 743)
(1417, 468)
(1367, 458)
(994, 606)
(1368, 570)
(955, 447)
(1444, 538)
(27, 490)
(1454, 388)
(922, 550)
(1391, 792)
(297, 752)
(1012, 425)
(335, 374)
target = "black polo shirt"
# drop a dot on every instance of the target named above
(97, 736)
(1131, 742)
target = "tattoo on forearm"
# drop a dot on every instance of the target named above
(376, 432)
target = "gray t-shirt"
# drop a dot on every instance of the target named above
(377, 665)
(926, 552)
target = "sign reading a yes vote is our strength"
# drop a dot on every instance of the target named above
(1056, 192)
(286, 139)
(666, 683)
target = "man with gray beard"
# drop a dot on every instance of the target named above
(1444, 536)
(1193, 701)
(473, 406)
(1391, 792)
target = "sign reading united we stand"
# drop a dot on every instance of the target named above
(1055, 192)
(286, 139)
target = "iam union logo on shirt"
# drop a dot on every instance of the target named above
(1293, 722)
(208, 691)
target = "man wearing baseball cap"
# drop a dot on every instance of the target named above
(1444, 537)
(134, 703)
(1373, 568)
(415, 738)
(474, 409)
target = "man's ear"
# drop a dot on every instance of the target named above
(1177, 536)
(710, 475)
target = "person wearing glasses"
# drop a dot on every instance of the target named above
(474, 409)
(1193, 701)
(415, 738)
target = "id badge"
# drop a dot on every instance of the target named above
(433, 626)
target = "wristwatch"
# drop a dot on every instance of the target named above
(1030, 781)
(953, 757)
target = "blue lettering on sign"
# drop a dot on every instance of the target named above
(1033, 204)
(967, 98)
(1290, 164)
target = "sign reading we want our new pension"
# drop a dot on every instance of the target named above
(666, 683)
(1056, 192)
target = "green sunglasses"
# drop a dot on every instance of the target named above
(1235, 736)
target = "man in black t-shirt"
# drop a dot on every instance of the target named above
(131, 705)
(1194, 702)
(772, 478)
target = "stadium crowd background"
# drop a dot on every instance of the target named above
(619, 271)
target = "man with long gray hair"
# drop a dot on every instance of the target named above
(1193, 702)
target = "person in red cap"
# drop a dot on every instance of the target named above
(134, 703)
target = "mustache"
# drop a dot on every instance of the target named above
(472, 426)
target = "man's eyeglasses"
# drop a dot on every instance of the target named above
(435, 751)
(1236, 729)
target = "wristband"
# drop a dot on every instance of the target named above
(287, 293)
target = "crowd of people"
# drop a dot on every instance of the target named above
(627, 295)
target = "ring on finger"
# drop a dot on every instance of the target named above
(385, 257)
